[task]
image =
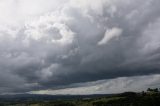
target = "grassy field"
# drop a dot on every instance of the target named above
(149, 98)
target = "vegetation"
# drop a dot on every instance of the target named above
(151, 97)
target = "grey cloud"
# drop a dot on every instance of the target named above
(80, 41)
(116, 85)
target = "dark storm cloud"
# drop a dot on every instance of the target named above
(80, 41)
(116, 85)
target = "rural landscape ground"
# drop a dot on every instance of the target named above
(151, 97)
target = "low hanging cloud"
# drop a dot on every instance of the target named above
(116, 85)
(76, 41)
(109, 35)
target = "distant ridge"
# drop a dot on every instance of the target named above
(39, 97)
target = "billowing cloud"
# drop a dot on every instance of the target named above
(49, 44)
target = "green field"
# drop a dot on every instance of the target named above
(149, 98)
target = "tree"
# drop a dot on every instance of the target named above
(149, 89)
(156, 90)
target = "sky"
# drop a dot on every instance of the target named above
(79, 46)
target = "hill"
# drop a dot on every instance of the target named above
(149, 98)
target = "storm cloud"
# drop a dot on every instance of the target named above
(49, 44)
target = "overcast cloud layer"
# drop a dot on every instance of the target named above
(52, 44)
(117, 85)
